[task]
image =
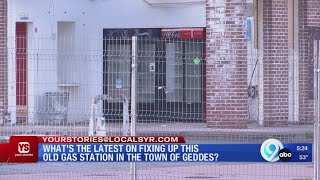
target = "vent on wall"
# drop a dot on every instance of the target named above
(168, 2)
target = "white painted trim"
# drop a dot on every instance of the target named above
(11, 62)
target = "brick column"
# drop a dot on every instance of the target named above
(309, 30)
(275, 62)
(3, 60)
(226, 65)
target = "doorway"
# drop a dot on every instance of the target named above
(21, 71)
(170, 78)
(182, 74)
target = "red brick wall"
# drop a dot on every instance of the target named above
(309, 29)
(275, 62)
(226, 64)
(3, 56)
(225, 96)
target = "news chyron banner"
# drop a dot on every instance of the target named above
(32, 149)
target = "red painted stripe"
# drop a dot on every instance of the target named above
(183, 33)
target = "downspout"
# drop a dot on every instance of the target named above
(296, 59)
(259, 46)
(293, 61)
(291, 73)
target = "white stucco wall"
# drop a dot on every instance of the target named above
(90, 18)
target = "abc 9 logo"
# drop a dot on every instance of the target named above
(272, 150)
